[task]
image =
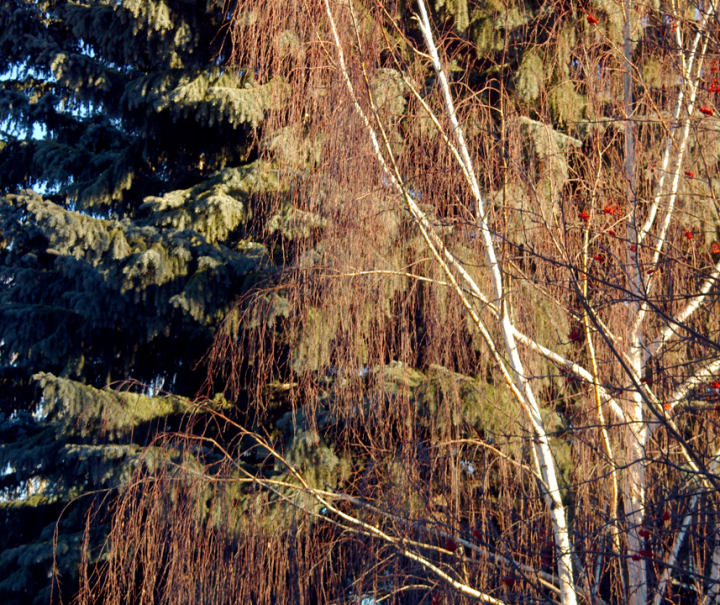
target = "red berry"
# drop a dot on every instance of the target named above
(666, 516)
(450, 545)
(688, 234)
(706, 111)
(690, 175)
(632, 248)
(592, 20)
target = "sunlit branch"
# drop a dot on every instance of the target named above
(678, 320)
(573, 367)
(680, 538)
(652, 212)
(504, 456)
(371, 530)
(700, 376)
(440, 252)
(544, 455)
(661, 239)
(524, 393)
(324, 497)
(598, 398)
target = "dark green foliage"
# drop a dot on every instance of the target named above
(118, 267)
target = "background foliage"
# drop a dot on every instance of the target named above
(210, 184)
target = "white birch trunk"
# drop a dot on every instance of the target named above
(634, 350)
(543, 451)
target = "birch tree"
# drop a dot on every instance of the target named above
(496, 375)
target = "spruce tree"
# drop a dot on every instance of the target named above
(128, 223)
(488, 381)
